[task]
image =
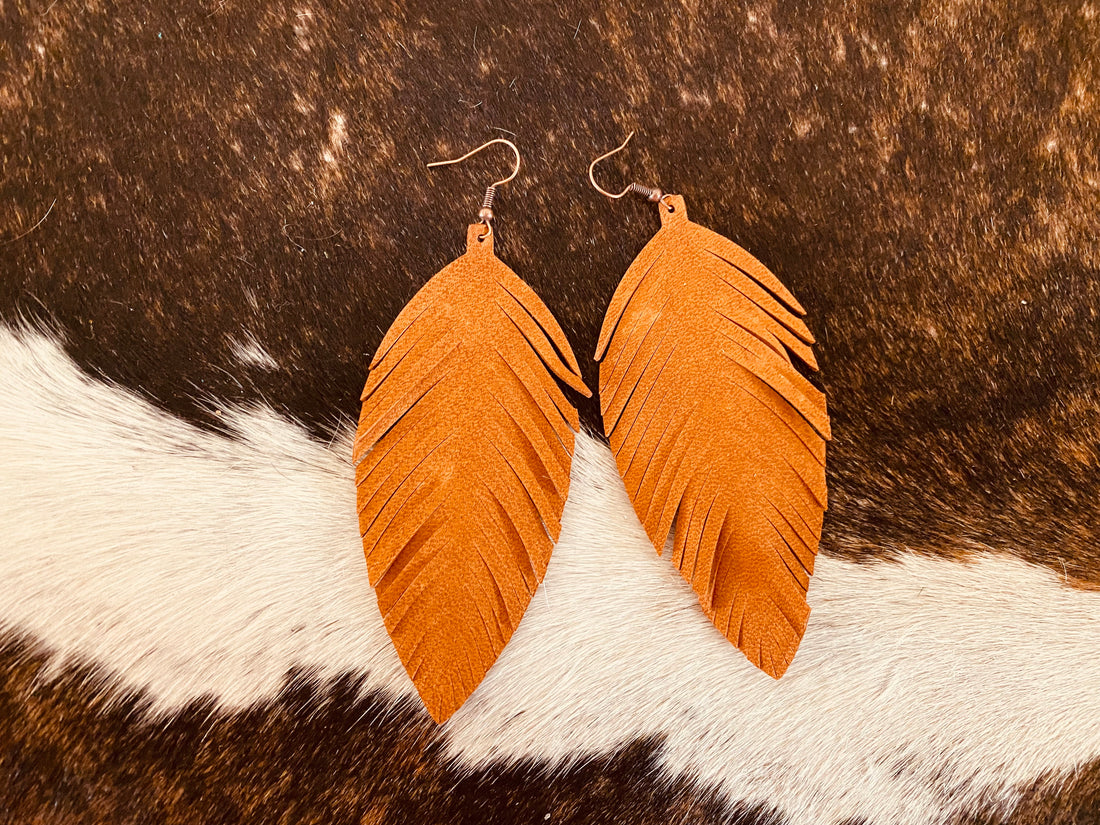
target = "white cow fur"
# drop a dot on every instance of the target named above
(190, 564)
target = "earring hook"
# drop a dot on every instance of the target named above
(472, 152)
(485, 214)
(651, 194)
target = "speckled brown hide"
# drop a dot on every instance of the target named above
(925, 177)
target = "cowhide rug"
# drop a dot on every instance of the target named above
(210, 212)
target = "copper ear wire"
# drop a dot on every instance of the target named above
(651, 194)
(485, 214)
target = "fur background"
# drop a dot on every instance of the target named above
(226, 204)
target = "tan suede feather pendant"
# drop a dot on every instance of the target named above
(715, 432)
(462, 457)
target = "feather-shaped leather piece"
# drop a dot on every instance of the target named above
(462, 457)
(715, 431)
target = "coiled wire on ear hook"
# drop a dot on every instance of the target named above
(485, 214)
(650, 193)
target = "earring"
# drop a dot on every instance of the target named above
(715, 433)
(462, 459)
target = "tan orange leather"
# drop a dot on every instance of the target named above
(714, 430)
(462, 457)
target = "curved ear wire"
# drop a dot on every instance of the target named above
(485, 214)
(650, 193)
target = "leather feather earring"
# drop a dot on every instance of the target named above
(714, 431)
(462, 459)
